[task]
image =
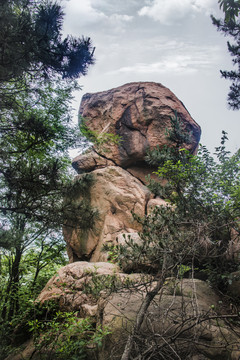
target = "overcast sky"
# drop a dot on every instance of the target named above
(172, 42)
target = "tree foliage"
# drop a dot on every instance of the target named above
(230, 8)
(38, 72)
(230, 26)
(67, 336)
(31, 42)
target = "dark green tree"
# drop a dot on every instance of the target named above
(37, 77)
(37, 68)
(31, 41)
(230, 26)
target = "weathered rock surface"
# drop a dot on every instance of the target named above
(67, 286)
(178, 311)
(139, 114)
(90, 161)
(115, 194)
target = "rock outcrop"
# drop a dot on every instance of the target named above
(139, 113)
(182, 316)
(181, 307)
(68, 285)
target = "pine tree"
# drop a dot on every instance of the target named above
(230, 26)
(31, 41)
(38, 72)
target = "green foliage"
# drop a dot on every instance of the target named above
(31, 41)
(99, 139)
(37, 71)
(230, 26)
(37, 68)
(36, 135)
(106, 284)
(202, 193)
(200, 219)
(80, 186)
(183, 269)
(112, 251)
(178, 133)
(38, 263)
(178, 136)
(79, 212)
(66, 336)
(34, 272)
(161, 238)
(231, 8)
(200, 182)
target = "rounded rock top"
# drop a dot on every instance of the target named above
(139, 113)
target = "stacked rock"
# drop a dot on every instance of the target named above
(138, 114)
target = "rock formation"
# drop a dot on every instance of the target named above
(139, 113)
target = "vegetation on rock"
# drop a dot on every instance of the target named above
(197, 230)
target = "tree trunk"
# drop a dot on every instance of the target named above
(14, 288)
(142, 311)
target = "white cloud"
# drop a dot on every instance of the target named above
(169, 11)
(120, 17)
(83, 12)
(80, 13)
(186, 63)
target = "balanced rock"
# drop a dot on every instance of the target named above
(139, 113)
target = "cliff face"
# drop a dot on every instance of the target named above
(139, 115)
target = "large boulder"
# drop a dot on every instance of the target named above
(68, 286)
(185, 316)
(182, 318)
(139, 113)
(116, 194)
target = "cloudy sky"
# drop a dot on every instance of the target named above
(172, 42)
